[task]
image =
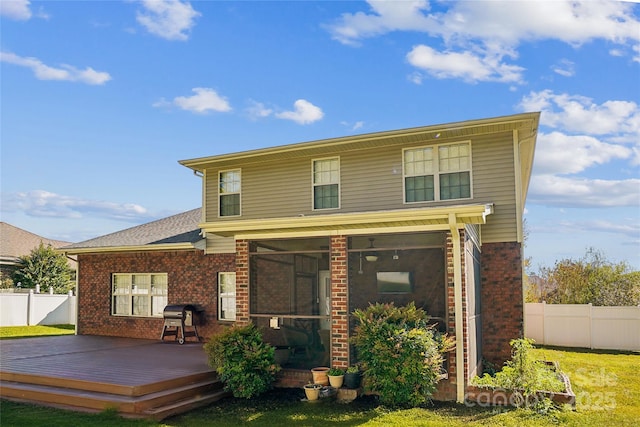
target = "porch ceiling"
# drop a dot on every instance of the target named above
(400, 220)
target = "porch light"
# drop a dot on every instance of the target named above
(371, 255)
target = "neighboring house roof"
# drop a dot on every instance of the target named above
(16, 242)
(179, 231)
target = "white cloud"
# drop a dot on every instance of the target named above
(576, 113)
(15, 9)
(303, 113)
(557, 153)
(387, 16)
(564, 67)
(41, 203)
(204, 101)
(478, 35)
(258, 110)
(505, 23)
(169, 19)
(353, 126)
(64, 72)
(553, 190)
(464, 65)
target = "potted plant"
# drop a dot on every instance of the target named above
(312, 391)
(336, 377)
(352, 377)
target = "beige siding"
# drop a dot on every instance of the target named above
(220, 245)
(371, 180)
(494, 182)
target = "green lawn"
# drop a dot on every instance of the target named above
(606, 386)
(10, 332)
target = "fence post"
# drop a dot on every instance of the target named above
(70, 308)
(29, 306)
(591, 326)
(544, 322)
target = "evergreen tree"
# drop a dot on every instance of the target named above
(44, 267)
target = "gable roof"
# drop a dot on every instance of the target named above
(176, 232)
(16, 242)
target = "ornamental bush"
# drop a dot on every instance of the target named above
(245, 363)
(400, 354)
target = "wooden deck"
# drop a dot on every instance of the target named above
(141, 378)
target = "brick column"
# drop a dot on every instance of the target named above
(451, 320)
(502, 299)
(339, 303)
(242, 282)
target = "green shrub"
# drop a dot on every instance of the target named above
(353, 369)
(243, 361)
(523, 373)
(400, 354)
(335, 372)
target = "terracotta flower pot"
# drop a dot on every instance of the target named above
(320, 375)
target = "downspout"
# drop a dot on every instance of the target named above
(457, 298)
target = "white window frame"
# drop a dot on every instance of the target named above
(436, 172)
(139, 294)
(314, 184)
(226, 300)
(221, 193)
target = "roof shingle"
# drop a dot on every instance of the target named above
(180, 228)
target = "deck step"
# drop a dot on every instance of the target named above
(105, 387)
(162, 412)
(158, 404)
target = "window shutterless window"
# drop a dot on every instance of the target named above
(326, 183)
(229, 191)
(143, 295)
(437, 173)
(226, 296)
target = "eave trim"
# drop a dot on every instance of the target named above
(131, 248)
(437, 218)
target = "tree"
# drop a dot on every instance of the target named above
(591, 279)
(44, 267)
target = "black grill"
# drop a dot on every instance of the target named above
(179, 317)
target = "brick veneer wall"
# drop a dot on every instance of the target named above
(339, 303)
(192, 278)
(502, 299)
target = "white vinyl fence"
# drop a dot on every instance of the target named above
(583, 325)
(24, 309)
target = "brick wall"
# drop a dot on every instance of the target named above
(339, 303)
(448, 392)
(502, 299)
(192, 278)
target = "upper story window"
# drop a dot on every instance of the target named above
(326, 183)
(437, 173)
(142, 295)
(229, 193)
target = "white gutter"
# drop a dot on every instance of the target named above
(457, 298)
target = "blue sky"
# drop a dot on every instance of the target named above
(99, 100)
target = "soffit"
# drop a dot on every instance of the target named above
(401, 220)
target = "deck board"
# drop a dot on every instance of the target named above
(109, 360)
